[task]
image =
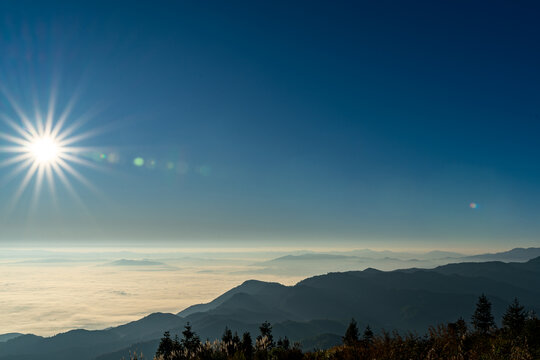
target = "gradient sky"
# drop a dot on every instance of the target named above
(373, 123)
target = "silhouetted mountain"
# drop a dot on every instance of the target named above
(524, 275)
(249, 287)
(409, 299)
(315, 311)
(84, 344)
(147, 349)
(9, 336)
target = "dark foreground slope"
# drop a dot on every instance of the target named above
(411, 299)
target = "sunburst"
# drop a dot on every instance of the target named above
(44, 149)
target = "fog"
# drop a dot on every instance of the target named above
(45, 292)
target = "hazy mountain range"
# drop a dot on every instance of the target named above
(311, 263)
(316, 310)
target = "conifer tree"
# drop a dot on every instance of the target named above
(284, 343)
(236, 340)
(227, 340)
(165, 347)
(482, 318)
(351, 335)
(247, 346)
(190, 343)
(367, 338)
(266, 333)
(461, 327)
(514, 318)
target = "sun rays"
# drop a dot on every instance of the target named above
(43, 149)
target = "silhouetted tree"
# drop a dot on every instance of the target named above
(247, 346)
(227, 335)
(165, 347)
(265, 339)
(284, 351)
(351, 335)
(227, 340)
(514, 318)
(444, 341)
(482, 318)
(176, 344)
(532, 333)
(190, 343)
(367, 338)
(284, 343)
(236, 341)
(461, 327)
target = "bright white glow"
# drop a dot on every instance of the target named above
(45, 150)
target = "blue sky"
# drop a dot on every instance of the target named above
(340, 123)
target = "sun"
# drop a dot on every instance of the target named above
(45, 150)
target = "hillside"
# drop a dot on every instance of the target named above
(410, 299)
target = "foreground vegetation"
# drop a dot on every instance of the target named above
(517, 339)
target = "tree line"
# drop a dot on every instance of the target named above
(517, 339)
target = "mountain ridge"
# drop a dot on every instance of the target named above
(408, 299)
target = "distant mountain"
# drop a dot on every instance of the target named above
(126, 262)
(522, 275)
(366, 255)
(410, 299)
(517, 254)
(437, 254)
(252, 287)
(315, 311)
(84, 344)
(9, 336)
(314, 263)
(311, 263)
(431, 255)
(146, 348)
(311, 257)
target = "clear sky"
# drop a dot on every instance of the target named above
(361, 123)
